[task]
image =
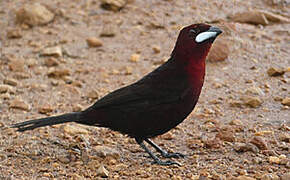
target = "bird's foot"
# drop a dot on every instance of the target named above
(166, 163)
(173, 155)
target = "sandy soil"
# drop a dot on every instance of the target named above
(239, 129)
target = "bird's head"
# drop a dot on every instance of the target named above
(194, 41)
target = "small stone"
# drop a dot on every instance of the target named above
(285, 176)
(34, 14)
(5, 88)
(252, 101)
(108, 31)
(49, 62)
(64, 159)
(236, 122)
(227, 135)
(235, 103)
(219, 51)
(167, 136)
(275, 72)
(270, 176)
(45, 109)
(259, 142)
(102, 172)
(94, 42)
(128, 70)
(274, 160)
(30, 62)
(104, 151)
(243, 147)
(19, 104)
(254, 91)
(244, 177)
(284, 137)
(58, 73)
(113, 5)
(77, 108)
(286, 101)
(135, 57)
(55, 51)
(263, 133)
(16, 65)
(75, 129)
(10, 81)
(14, 33)
(156, 49)
(93, 94)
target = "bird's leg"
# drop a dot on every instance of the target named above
(163, 152)
(156, 159)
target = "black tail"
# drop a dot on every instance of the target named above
(32, 124)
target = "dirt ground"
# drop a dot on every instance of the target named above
(238, 130)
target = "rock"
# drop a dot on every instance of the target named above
(77, 107)
(284, 137)
(220, 50)
(19, 104)
(254, 91)
(167, 136)
(94, 42)
(252, 101)
(286, 101)
(5, 88)
(128, 70)
(259, 142)
(108, 31)
(274, 160)
(270, 176)
(102, 172)
(244, 177)
(10, 81)
(285, 176)
(156, 49)
(93, 94)
(58, 73)
(235, 103)
(259, 17)
(227, 135)
(135, 57)
(75, 129)
(64, 159)
(34, 14)
(16, 65)
(263, 133)
(14, 33)
(49, 62)
(44, 109)
(104, 151)
(236, 122)
(55, 51)
(113, 5)
(275, 72)
(244, 147)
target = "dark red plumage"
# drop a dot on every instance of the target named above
(156, 103)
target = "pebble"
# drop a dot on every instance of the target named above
(254, 91)
(93, 94)
(77, 108)
(220, 50)
(259, 142)
(34, 14)
(55, 51)
(45, 109)
(5, 88)
(94, 42)
(58, 73)
(74, 129)
(64, 159)
(285, 176)
(10, 81)
(236, 122)
(105, 151)
(113, 5)
(102, 172)
(275, 72)
(16, 65)
(14, 33)
(244, 177)
(19, 104)
(128, 70)
(135, 57)
(263, 133)
(108, 31)
(244, 147)
(270, 176)
(252, 101)
(49, 62)
(156, 49)
(274, 160)
(286, 101)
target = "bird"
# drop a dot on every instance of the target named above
(156, 103)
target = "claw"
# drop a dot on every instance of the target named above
(173, 155)
(166, 163)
